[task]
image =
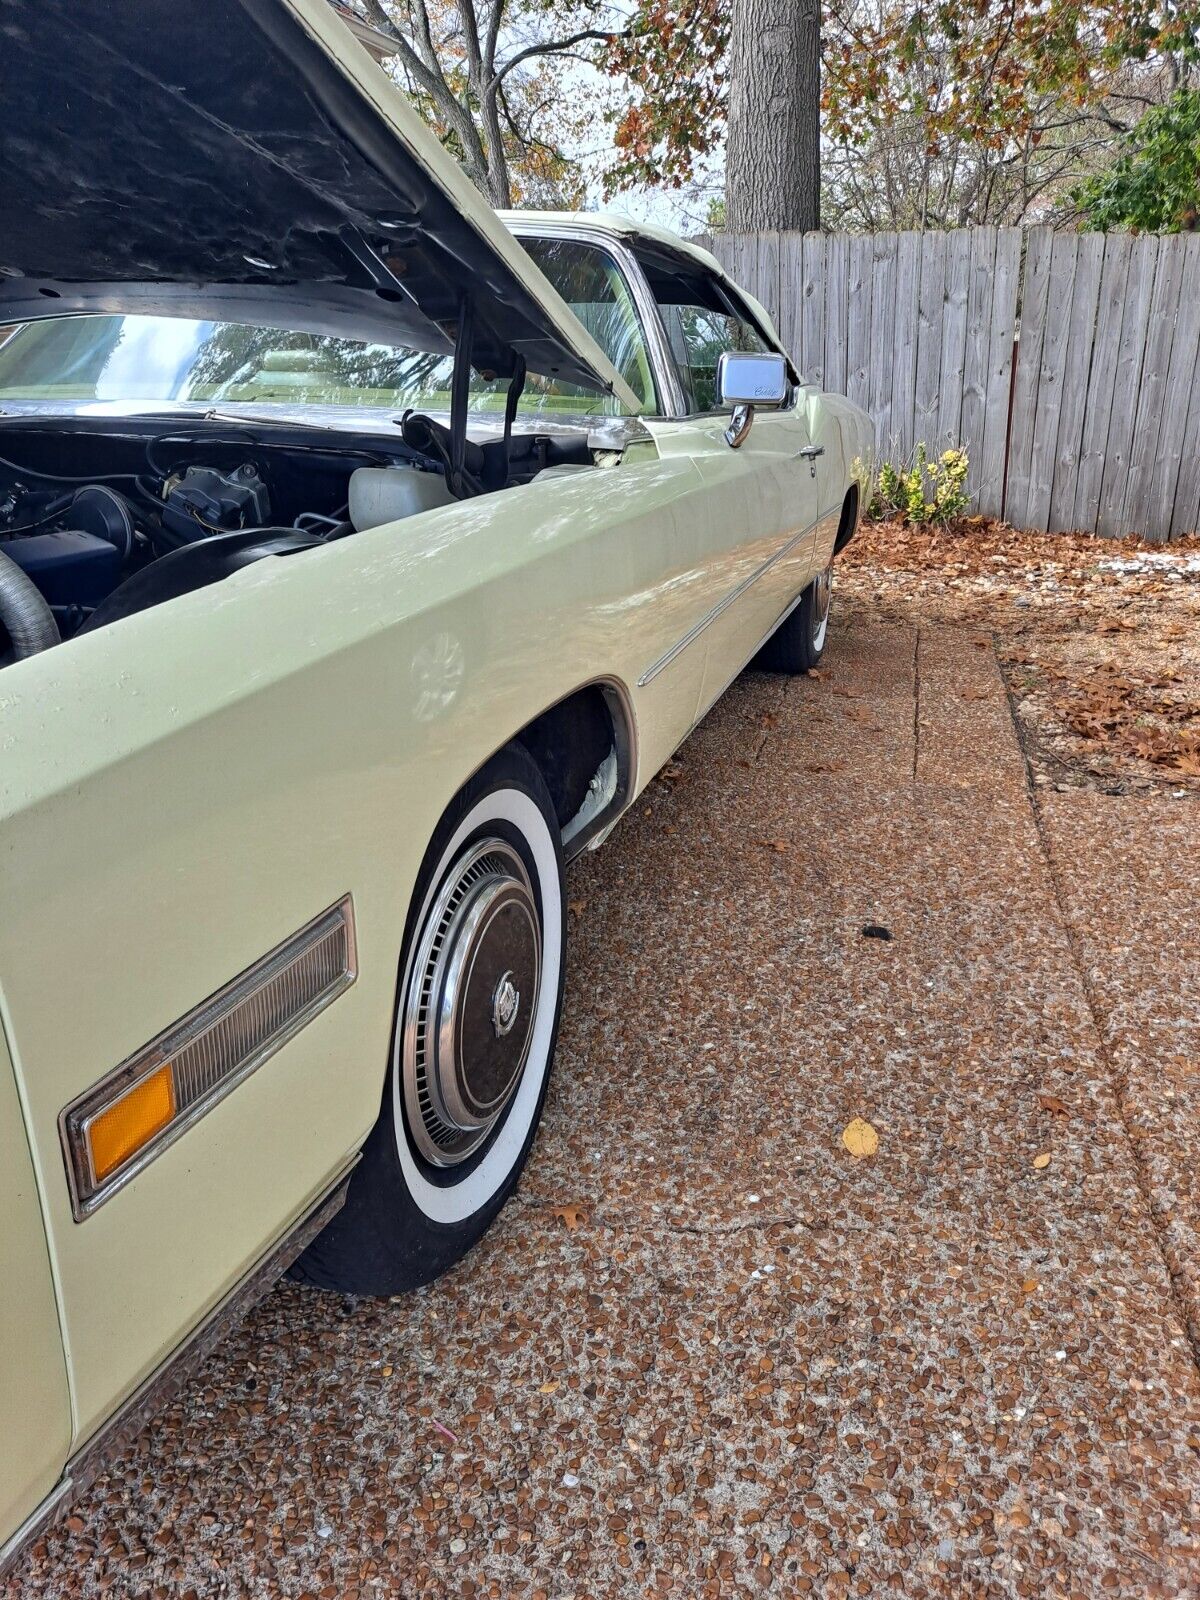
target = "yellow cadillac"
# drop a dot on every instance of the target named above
(362, 556)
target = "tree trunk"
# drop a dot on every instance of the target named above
(773, 153)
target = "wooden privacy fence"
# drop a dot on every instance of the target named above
(1066, 364)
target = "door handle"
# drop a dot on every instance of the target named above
(810, 454)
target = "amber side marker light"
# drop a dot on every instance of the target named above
(114, 1135)
(138, 1110)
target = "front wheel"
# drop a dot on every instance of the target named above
(478, 1005)
(798, 643)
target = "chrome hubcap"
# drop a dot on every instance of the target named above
(470, 1002)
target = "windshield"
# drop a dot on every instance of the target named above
(131, 358)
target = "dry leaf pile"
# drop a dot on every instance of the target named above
(1099, 638)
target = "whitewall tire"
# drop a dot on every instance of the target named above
(478, 1004)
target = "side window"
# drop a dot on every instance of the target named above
(701, 320)
(594, 287)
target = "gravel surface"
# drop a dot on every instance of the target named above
(708, 1350)
(1130, 884)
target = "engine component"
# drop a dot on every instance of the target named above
(103, 512)
(194, 566)
(384, 494)
(69, 566)
(24, 615)
(204, 501)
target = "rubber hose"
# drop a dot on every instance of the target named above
(24, 614)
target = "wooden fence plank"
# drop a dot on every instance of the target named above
(791, 278)
(1161, 328)
(721, 245)
(766, 273)
(904, 356)
(1139, 296)
(989, 479)
(931, 300)
(1101, 381)
(1185, 517)
(1076, 365)
(812, 313)
(1035, 290)
(954, 339)
(1155, 515)
(858, 321)
(976, 352)
(883, 334)
(1064, 251)
(837, 272)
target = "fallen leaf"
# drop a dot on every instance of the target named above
(1042, 1161)
(1051, 1102)
(976, 692)
(576, 907)
(816, 672)
(860, 1138)
(780, 846)
(572, 1215)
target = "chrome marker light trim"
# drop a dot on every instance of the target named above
(216, 1046)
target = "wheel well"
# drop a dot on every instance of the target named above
(584, 749)
(849, 519)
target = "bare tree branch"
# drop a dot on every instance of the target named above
(555, 47)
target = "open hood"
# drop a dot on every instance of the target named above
(247, 161)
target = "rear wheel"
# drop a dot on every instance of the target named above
(479, 998)
(798, 643)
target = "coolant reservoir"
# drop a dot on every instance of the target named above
(384, 494)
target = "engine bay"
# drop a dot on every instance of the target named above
(98, 523)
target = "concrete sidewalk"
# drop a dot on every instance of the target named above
(707, 1351)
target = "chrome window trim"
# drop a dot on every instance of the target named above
(662, 363)
(87, 1195)
(726, 601)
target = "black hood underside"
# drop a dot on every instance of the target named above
(214, 159)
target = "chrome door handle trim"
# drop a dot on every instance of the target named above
(809, 453)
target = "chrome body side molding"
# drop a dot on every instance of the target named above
(726, 601)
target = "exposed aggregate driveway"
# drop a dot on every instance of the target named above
(707, 1350)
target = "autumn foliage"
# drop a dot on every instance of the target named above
(1000, 74)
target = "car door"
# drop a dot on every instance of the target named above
(683, 566)
(764, 497)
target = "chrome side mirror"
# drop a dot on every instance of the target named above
(746, 379)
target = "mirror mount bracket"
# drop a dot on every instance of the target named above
(740, 424)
